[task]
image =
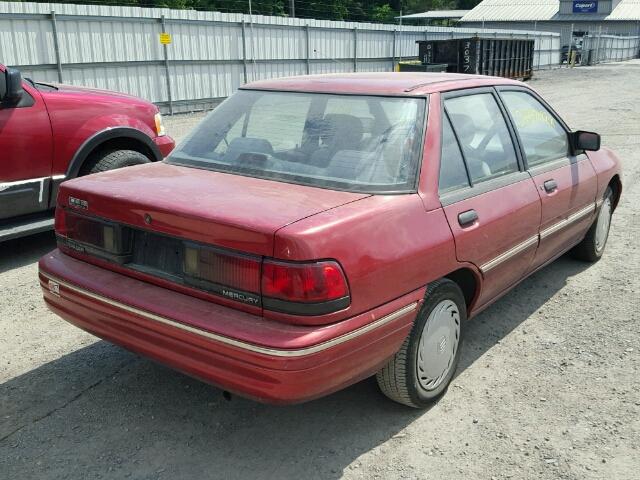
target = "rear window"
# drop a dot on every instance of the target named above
(345, 142)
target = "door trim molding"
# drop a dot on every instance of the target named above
(574, 217)
(531, 241)
(512, 252)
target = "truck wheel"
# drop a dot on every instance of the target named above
(591, 248)
(423, 367)
(112, 159)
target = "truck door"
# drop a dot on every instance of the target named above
(26, 146)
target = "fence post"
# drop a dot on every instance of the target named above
(393, 53)
(244, 52)
(56, 44)
(166, 66)
(569, 62)
(306, 31)
(597, 60)
(355, 49)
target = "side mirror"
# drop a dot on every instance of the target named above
(14, 91)
(585, 141)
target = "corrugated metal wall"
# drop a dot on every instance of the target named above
(211, 53)
(609, 48)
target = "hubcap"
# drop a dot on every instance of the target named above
(438, 344)
(602, 227)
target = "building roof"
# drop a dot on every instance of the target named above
(434, 14)
(626, 10)
(544, 10)
(376, 83)
(513, 10)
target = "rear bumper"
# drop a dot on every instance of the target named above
(165, 144)
(243, 353)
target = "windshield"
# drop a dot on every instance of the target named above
(345, 142)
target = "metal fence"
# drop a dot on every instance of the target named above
(210, 53)
(609, 48)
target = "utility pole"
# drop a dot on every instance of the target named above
(292, 8)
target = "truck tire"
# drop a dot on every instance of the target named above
(423, 367)
(112, 159)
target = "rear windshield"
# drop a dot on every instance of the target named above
(345, 142)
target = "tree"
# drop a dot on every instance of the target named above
(353, 10)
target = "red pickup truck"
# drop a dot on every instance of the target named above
(51, 133)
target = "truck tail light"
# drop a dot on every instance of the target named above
(309, 288)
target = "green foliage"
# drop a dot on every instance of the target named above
(383, 14)
(383, 11)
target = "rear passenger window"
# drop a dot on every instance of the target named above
(453, 174)
(541, 135)
(483, 135)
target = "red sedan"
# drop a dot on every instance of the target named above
(314, 231)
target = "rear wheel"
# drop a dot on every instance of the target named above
(591, 248)
(423, 367)
(112, 159)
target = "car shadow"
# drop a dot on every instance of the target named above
(24, 251)
(110, 412)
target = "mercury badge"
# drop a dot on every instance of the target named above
(78, 203)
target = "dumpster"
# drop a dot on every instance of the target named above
(421, 67)
(502, 57)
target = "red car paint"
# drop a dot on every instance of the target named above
(389, 247)
(49, 140)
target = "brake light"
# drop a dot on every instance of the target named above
(311, 288)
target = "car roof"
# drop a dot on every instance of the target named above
(379, 83)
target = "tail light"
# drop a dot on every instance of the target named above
(231, 275)
(297, 288)
(310, 288)
(91, 235)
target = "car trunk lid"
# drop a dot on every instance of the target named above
(219, 209)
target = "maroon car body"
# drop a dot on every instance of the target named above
(390, 247)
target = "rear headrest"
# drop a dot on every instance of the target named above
(342, 132)
(463, 125)
(240, 145)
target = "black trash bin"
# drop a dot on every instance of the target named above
(502, 57)
(421, 67)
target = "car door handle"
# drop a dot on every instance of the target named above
(550, 186)
(467, 218)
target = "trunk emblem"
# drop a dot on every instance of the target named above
(78, 203)
(54, 288)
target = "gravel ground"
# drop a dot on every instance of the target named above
(547, 388)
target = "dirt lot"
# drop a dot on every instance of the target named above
(548, 386)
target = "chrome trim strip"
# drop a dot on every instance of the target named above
(238, 343)
(59, 177)
(503, 257)
(574, 217)
(599, 203)
(6, 185)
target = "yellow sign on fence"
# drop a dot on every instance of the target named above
(165, 38)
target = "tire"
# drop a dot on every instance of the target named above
(591, 248)
(405, 379)
(112, 159)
